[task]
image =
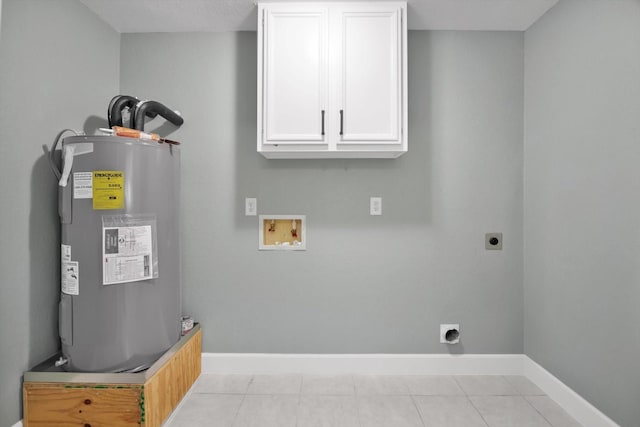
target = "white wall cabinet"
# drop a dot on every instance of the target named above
(332, 80)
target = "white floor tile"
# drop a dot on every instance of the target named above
(210, 410)
(327, 411)
(524, 385)
(229, 384)
(448, 411)
(275, 384)
(553, 412)
(380, 385)
(508, 411)
(388, 411)
(267, 411)
(368, 401)
(485, 385)
(328, 385)
(433, 385)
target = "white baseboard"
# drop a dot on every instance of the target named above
(409, 364)
(18, 424)
(374, 364)
(575, 405)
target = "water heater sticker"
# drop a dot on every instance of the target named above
(70, 277)
(127, 254)
(82, 185)
(108, 189)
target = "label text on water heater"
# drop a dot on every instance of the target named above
(108, 190)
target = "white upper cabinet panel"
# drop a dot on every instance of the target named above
(295, 76)
(369, 84)
(332, 80)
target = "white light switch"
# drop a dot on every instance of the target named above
(250, 206)
(375, 206)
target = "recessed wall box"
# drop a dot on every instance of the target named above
(282, 232)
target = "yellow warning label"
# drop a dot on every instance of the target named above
(108, 190)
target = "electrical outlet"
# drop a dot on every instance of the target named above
(250, 206)
(375, 206)
(493, 241)
(450, 333)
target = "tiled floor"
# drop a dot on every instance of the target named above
(367, 401)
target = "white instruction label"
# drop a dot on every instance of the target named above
(83, 185)
(70, 277)
(127, 254)
(65, 253)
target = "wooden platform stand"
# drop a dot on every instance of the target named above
(64, 399)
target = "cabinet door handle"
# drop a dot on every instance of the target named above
(341, 122)
(322, 133)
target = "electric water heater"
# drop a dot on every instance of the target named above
(120, 301)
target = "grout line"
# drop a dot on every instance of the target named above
(235, 417)
(536, 409)
(298, 405)
(413, 399)
(357, 400)
(460, 385)
(478, 411)
(504, 377)
(248, 384)
(302, 382)
(353, 387)
(415, 405)
(512, 385)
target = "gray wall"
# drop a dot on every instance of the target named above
(582, 208)
(59, 65)
(365, 284)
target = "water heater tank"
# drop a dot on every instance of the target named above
(120, 303)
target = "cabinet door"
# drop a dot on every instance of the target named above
(295, 75)
(369, 75)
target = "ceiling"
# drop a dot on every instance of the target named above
(150, 16)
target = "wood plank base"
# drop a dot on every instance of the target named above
(145, 399)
